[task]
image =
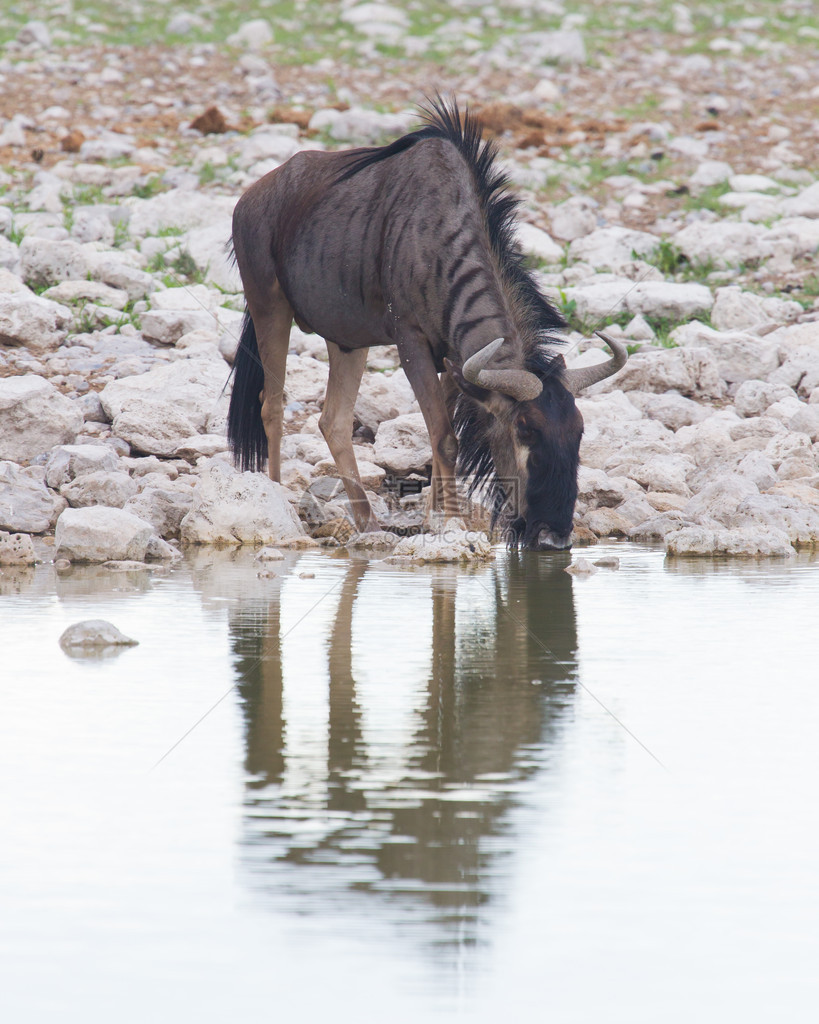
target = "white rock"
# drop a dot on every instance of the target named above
(745, 541)
(232, 508)
(114, 269)
(99, 488)
(793, 237)
(47, 262)
(596, 300)
(725, 243)
(36, 32)
(67, 462)
(671, 409)
(806, 204)
(581, 567)
(94, 634)
(689, 146)
(546, 91)
(268, 554)
(575, 218)
(538, 242)
(788, 445)
(639, 329)
(565, 46)
(16, 549)
(795, 336)
(296, 475)
(693, 372)
(660, 526)
(452, 544)
(806, 421)
(605, 522)
(740, 356)
(34, 417)
(198, 445)
(753, 183)
(610, 247)
(611, 408)
(710, 173)
(305, 379)
(735, 309)
(183, 23)
(177, 208)
(254, 34)
(383, 398)
(753, 397)
(363, 14)
(596, 488)
(665, 473)
(720, 499)
(92, 226)
(100, 534)
(799, 371)
(268, 142)
(90, 291)
(26, 504)
(758, 469)
(360, 125)
(108, 147)
(402, 444)
(164, 508)
(158, 410)
(799, 521)
(12, 134)
(10, 266)
(36, 323)
(154, 427)
(669, 300)
(167, 326)
(305, 447)
(207, 248)
(193, 296)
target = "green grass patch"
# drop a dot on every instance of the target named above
(673, 263)
(152, 187)
(708, 199)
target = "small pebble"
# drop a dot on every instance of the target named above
(608, 562)
(307, 575)
(94, 633)
(582, 567)
(269, 555)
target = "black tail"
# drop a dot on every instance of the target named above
(245, 431)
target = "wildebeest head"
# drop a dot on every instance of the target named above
(519, 438)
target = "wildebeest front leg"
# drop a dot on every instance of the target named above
(336, 424)
(420, 370)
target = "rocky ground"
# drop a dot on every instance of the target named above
(667, 158)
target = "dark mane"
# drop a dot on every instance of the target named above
(537, 319)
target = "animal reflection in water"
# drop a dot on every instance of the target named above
(421, 813)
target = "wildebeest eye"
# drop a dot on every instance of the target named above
(526, 433)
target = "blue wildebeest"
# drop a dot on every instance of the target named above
(413, 244)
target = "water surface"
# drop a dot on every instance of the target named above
(378, 792)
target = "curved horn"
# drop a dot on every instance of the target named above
(578, 380)
(518, 384)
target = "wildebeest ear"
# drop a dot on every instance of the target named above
(473, 390)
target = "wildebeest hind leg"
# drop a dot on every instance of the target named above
(336, 424)
(273, 324)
